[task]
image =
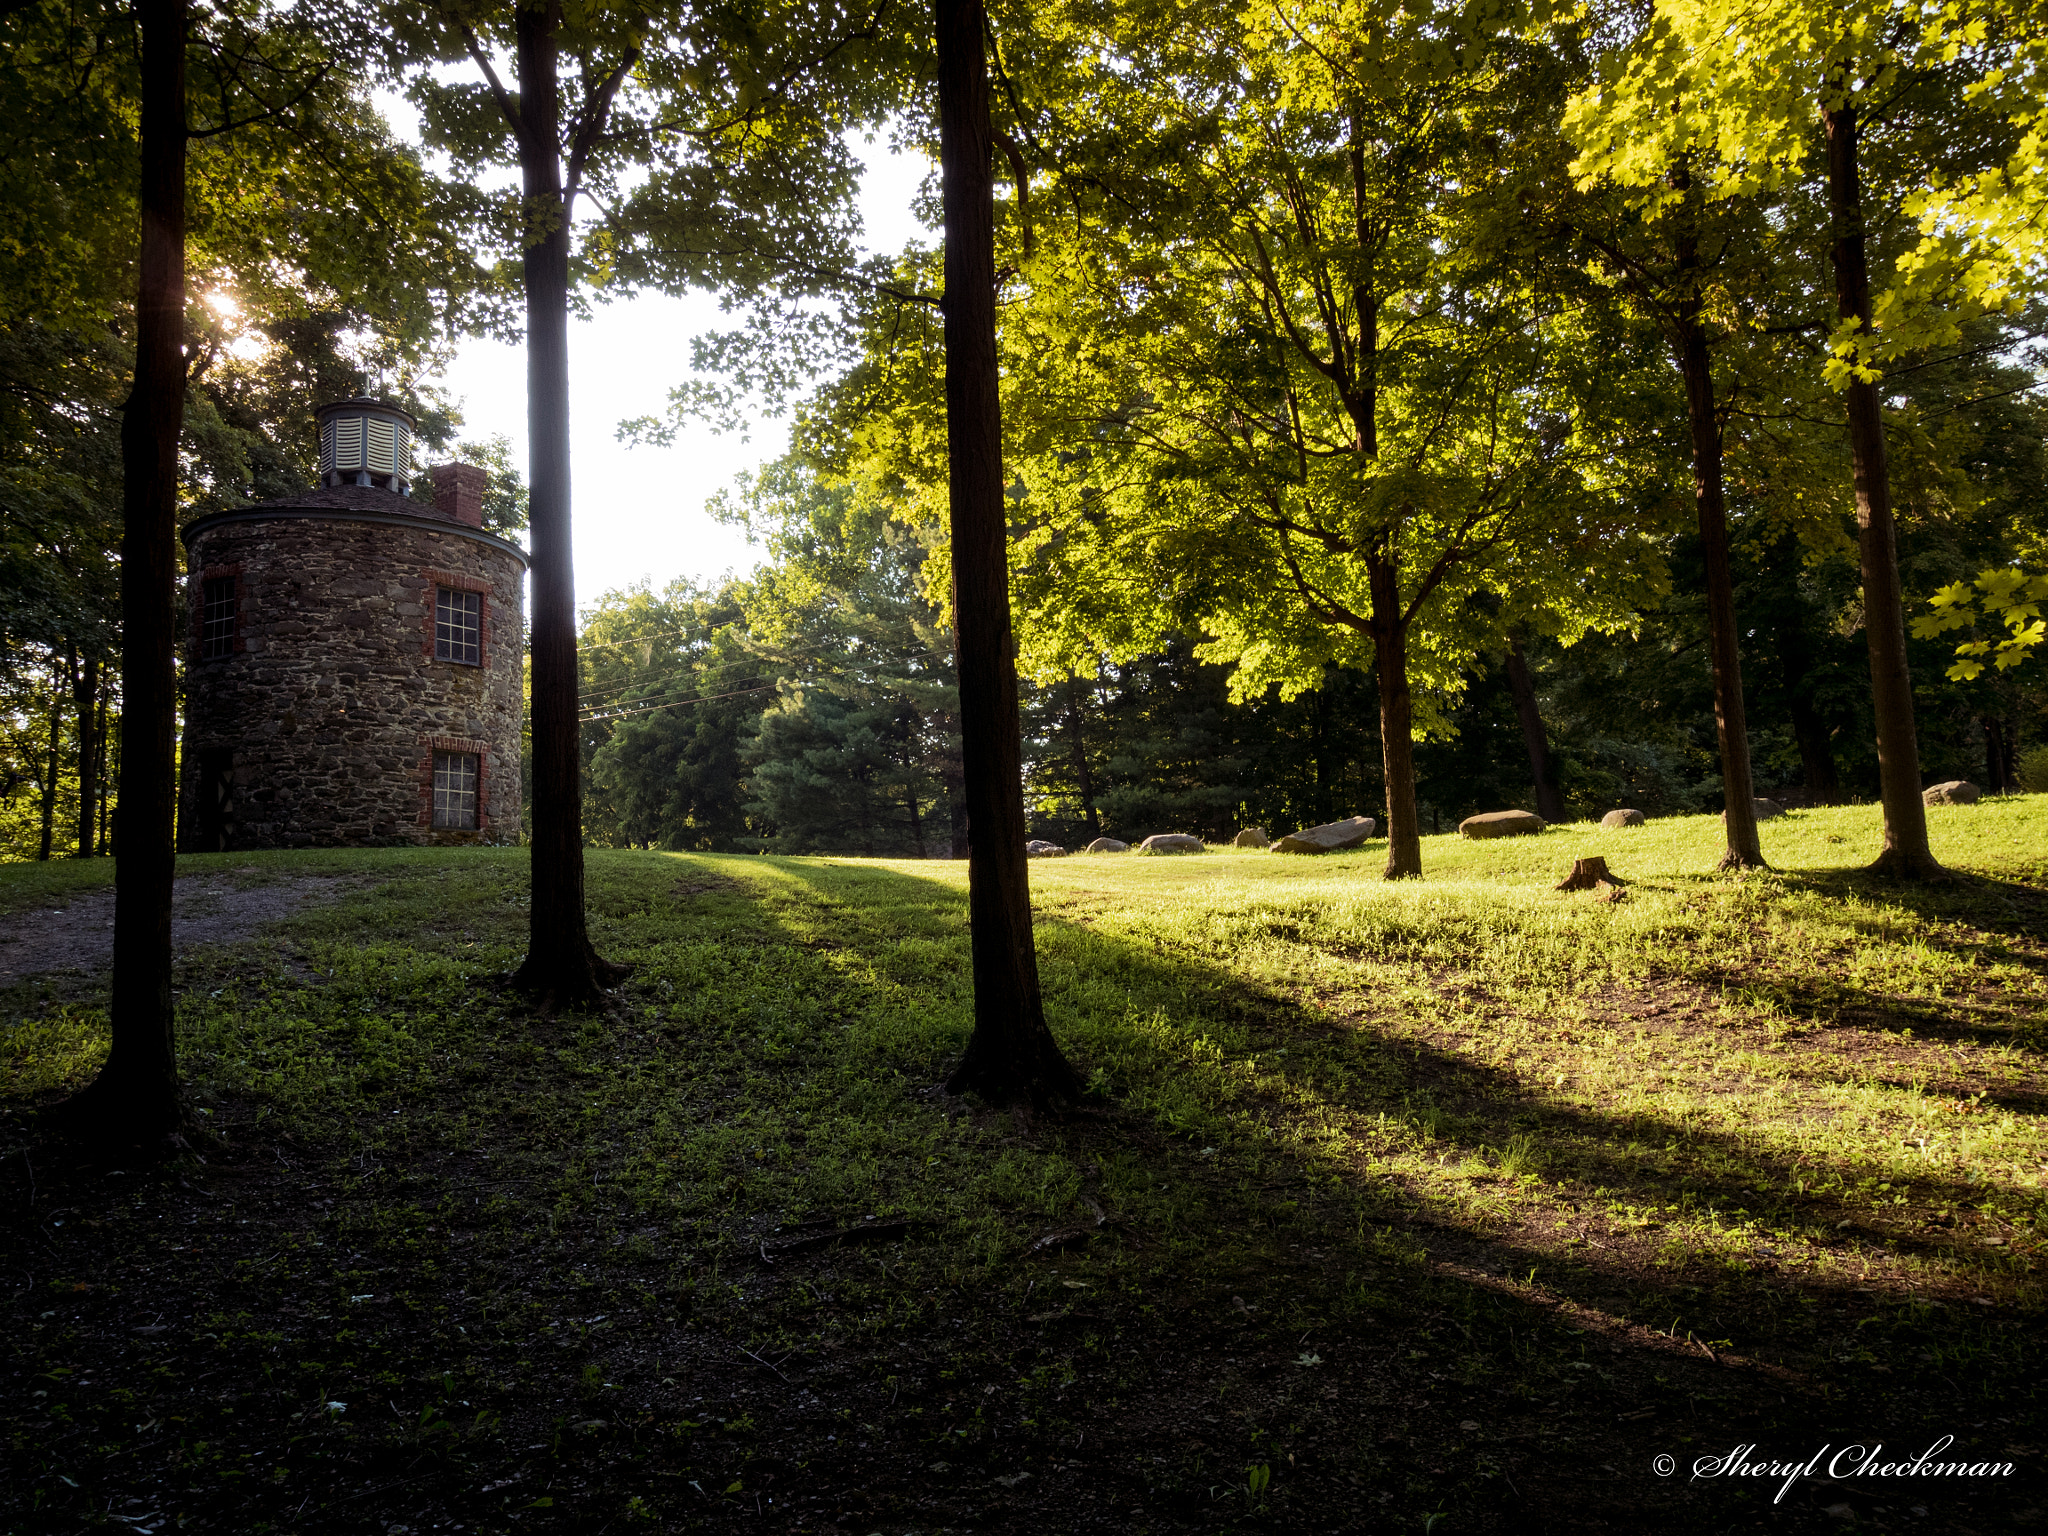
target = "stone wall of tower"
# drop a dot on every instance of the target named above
(330, 703)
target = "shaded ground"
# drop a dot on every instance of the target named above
(78, 936)
(1365, 1229)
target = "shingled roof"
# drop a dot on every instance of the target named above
(350, 498)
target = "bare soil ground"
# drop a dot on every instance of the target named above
(78, 937)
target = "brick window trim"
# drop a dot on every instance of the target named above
(200, 578)
(480, 750)
(456, 582)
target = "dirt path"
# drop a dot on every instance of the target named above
(207, 910)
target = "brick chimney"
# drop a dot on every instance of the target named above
(459, 492)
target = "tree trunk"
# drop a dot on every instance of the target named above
(1549, 798)
(1809, 731)
(1994, 755)
(910, 793)
(953, 780)
(1397, 723)
(1905, 853)
(1816, 753)
(1695, 366)
(561, 968)
(135, 1098)
(85, 698)
(1084, 785)
(1323, 812)
(1011, 1057)
(54, 758)
(1744, 851)
(100, 780)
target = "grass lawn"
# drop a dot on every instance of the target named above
(1444, 1206)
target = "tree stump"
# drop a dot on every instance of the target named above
(1586, 875)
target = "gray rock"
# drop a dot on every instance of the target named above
(1329, 837)
(1251, 837)
(1107, 845)
(1615, 819)
(1039, 849)
(1766, 810)
(1501, 824)
(1954, 792)
(1171, 842)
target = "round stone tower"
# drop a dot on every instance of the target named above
(353, 668)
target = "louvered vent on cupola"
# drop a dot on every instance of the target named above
(364, 442)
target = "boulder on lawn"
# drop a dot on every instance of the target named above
(1615, 819)
(1251, 837)
(1039, 849)
(1765, 810)
(1107, 845)
(1171, 842)
(1329, 837)
(1954, 792)
(1501, 824)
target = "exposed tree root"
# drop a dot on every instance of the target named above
(110, 1114)
(1898, 864)
(1045, 1084)
(570, 983)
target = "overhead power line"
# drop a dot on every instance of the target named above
(648, 709)
(790, 657)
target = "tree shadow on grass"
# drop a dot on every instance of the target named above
(1399, 1164)
(1281, 1277)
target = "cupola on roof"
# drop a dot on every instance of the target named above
(366, 442)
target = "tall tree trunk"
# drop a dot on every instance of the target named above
(53, 759)
(1323, 812)
(85, 699)
(1695, 367)
(1994, 755)
(1397, 722)
(1809, 731)
(1084, 785)
(1549, 798)
(561, 968)
(1905, 852)
(910, 793)
(952, 778)
(1744, 850)
(99, 773)
(1011, 1056)
(135, 1098)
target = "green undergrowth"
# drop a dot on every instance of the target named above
(1752, 1059)
(1790, 1118)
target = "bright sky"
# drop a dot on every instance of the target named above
(640, 512)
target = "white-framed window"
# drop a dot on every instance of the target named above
(458, 626)
(216, 617)
(455, 785)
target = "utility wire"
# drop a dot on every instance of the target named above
(675, 704)
(603, 712)
(680, 691)
(592, 697)
(749, 664)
